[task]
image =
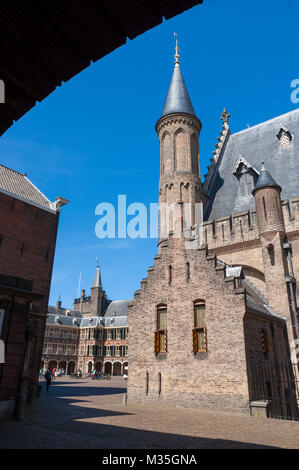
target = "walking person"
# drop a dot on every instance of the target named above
(48, 377)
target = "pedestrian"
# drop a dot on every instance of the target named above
(48, 376)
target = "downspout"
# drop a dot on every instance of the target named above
(291, 280)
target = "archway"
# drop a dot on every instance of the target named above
(71, 367)
(98, 366)
(108, 368)
(62, 365)
(89, 367)
(79, 25)
(117, 368)
(52, 365)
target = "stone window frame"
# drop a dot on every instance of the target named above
(199, 328)
(161, 331)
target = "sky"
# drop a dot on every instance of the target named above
(94, 137)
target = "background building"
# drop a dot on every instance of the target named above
(92, 336)
(28, 230)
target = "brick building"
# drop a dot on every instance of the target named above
(28, 229)
(92, 336)
(215, 320)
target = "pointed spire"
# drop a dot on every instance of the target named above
(97, 281)
(178, 99)
(265, 179)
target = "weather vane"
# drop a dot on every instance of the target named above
(98, 263)
(176, 56)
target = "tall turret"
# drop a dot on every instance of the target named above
(178, 130)
(276, 257)
(96, 293)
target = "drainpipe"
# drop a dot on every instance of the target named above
(291, 280)
(272, 328)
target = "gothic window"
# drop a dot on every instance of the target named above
(284, 137)
(199, 339)
(246, 180)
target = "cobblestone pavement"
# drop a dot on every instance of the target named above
(87, 414)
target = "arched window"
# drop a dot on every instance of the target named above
(160, 345)
(199, 330)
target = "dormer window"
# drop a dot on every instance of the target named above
(284, 137)
(246, 175)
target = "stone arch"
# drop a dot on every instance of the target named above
(52, 364)
(256, 276)
(166, 153)
(108, 368)
(62, 365)
(89, 367)
(194, 154)
(116, 368)
(71, 367)
(180, 145)
(184, 192)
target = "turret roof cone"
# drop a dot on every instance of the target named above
(178, 99)
(97, 282)
(265, 179)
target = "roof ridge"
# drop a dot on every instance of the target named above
(265, 122)
(14, 171)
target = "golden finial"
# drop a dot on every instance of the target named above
(176, 56)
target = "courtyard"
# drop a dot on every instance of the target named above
(90, 414)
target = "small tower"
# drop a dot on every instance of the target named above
(272, 236)
(96, 293)
(178, 130)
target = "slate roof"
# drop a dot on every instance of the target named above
(116, 315)
(63, 320)
(256, 144)
(178, 99)
(17, 184)
(117, 308)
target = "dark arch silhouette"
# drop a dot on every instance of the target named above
(45, 43)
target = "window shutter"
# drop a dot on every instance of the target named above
(157, 342)
(194, 341)
(206, 339)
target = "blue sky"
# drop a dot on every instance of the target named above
(94, 137)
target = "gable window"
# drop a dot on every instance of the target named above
(199, 334)
(161, 332)
(246, 181)
(284, 137)
(246, 175)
